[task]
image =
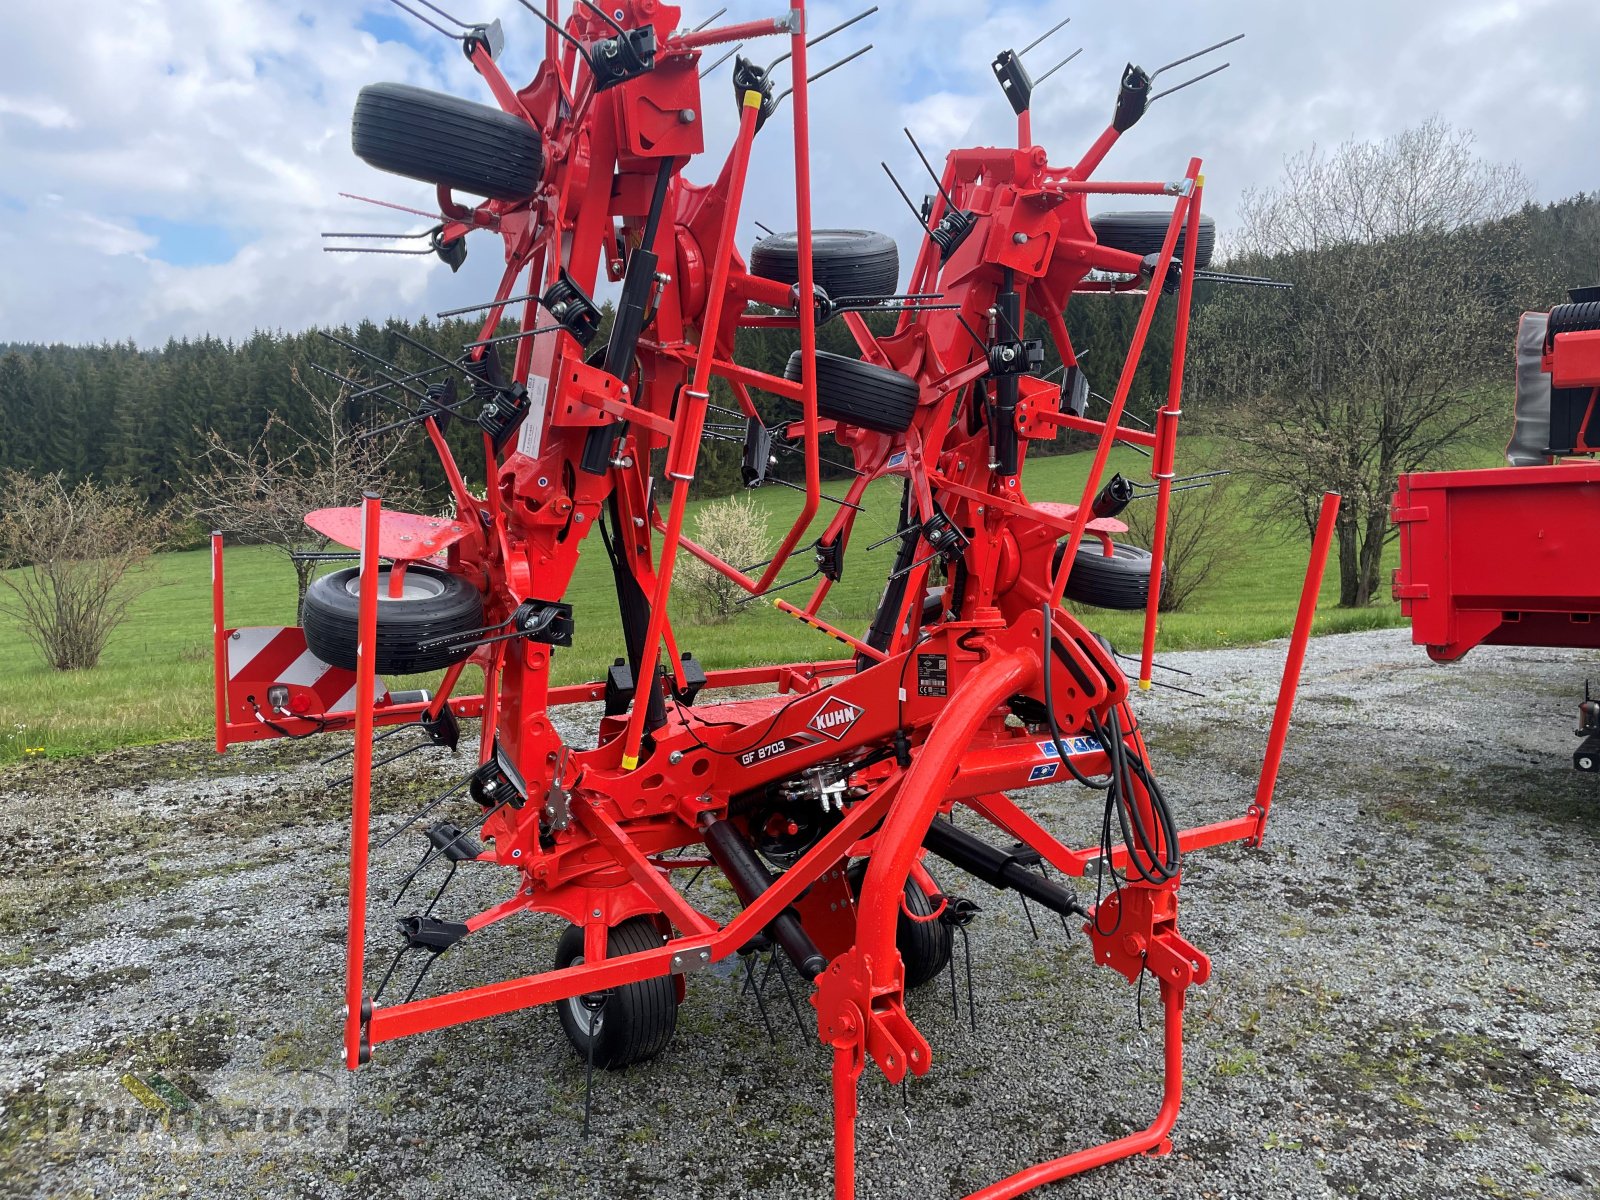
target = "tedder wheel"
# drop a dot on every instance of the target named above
(1143, 232)
(853, 392)
(924, 945)
(445, 140)
(627, 1024)
(853, 263)
(432, 604)
(1120, 580)
(1573, 318)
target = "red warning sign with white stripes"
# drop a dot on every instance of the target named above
(271, 674)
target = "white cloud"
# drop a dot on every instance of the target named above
(234, 114)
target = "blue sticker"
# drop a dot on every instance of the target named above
(1074, 746)
(1043, 771)
(897, 459)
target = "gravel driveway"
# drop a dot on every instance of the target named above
(1403, 1000)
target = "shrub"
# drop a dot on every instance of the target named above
(734, 529)
(72, 560)
(1201, 539)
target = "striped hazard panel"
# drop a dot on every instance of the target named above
(263, 658)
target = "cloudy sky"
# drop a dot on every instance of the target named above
(166, 165)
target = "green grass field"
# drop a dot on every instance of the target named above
(154, 682)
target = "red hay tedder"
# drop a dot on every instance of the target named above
(818, 797)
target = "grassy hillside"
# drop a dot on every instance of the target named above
(154, 682)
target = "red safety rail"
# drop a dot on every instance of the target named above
(973, 685)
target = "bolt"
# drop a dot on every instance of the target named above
(1007, 354)
(543, 482)
(686, 116)
(597, 912)
(490, 410)
(638, 522)
(516, 854)
(559, 310)
(675, 757)
(578, 517)
(1020, 239)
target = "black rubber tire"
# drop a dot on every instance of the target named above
(853, 392)
(844, 262)
(1121, 581)
(446, 140)
(1572, 318)
(637, 1020)
(924, 945)
(436, 604)
(1143, 232)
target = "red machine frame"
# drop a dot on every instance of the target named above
(653, 786)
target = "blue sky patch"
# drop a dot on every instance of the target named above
(190, 243)
(397, 27)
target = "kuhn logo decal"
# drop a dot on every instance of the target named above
(835, 717)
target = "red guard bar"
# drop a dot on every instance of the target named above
(1161, 463)
(361, 786)
(219, 644)
(1292, 664)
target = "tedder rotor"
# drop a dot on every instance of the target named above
(815, 789)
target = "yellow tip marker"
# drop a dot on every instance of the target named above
(630, 762)
(1144, 685)
(752, 99)
(1199, 181)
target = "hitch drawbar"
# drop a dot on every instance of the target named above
(750, 877)
(999, 868)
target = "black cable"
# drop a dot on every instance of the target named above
(321, 725)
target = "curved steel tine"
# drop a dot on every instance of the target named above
(1187, 82)
(1178, 62)
(737, 47)
(709, 19)
(456, 37)
(1058, 66)
(1047, 33)
(825, 34)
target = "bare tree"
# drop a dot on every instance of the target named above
(1408, 260)
(1202, 538)
(70, 560)
(263, 491)
(734, 529)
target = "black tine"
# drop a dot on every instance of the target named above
(794, 1005)
(417, 982)
(1028, 912)
(407, 881)
(393, 963)
(588, 1074)
(937, 182)
(422, 812)
(448, 877)
(761, 1001)
(972, 1002)
(466, 308)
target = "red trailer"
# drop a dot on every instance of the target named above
(1505, 556)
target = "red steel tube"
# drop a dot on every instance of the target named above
(1153, 1138)
(361, 783)
(1290, 684)
(808, 312)
(691, 422)
(1124, 385)
(900, 840)
(1161, 464)
(219, 644)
